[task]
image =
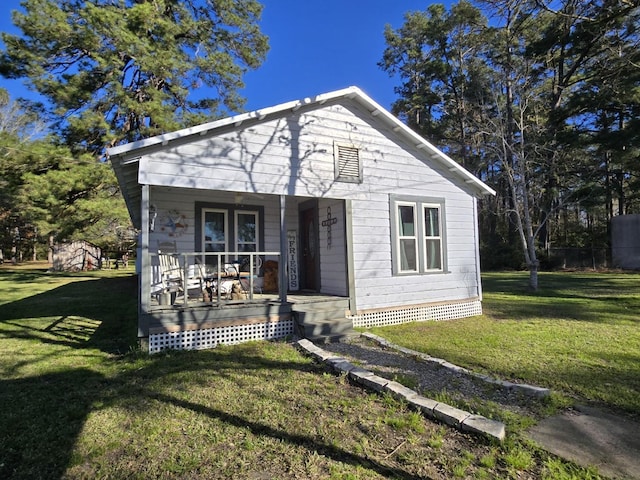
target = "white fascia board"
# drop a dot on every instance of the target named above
(165, 138)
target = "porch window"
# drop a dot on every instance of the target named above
(214, 230)
(229, 228)
(418, 245)
(246, 231)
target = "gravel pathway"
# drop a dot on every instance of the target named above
(430, 379)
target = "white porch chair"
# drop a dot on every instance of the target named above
(170, 272)
(174, 279)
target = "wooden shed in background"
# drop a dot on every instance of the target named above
(76, 256)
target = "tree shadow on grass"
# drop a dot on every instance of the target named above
(563, 284)
(612, 298)
(40, 420)
(42, 417)
(324, 449)
(243, 368)
(603, 310)
(96, 313)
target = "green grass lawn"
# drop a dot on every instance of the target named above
(78, 400)
(579, 334)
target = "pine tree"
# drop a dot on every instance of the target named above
(117, 71)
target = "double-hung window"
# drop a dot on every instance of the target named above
(418, 245)
(246, 234)
(214, 230)
(228, 228)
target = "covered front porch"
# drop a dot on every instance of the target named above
(315, 316)
(223, 267)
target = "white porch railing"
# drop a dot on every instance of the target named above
(201, 278)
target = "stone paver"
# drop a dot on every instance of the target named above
(432, 409)
(485, 426)
(450, 415)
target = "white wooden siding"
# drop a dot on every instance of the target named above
(293, 155)
(333, 273)
(183, 201)
(376, 287)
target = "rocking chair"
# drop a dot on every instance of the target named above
(174, 280)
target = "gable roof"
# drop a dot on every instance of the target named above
(353, 93)
(126, 169)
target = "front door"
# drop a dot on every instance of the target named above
(310, 253)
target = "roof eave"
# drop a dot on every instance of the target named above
(236, 120)
(420, 143)
(352, 92)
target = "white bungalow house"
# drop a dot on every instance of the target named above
(332, 212)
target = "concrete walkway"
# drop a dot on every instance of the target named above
(592, 437)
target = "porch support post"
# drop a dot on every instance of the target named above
(283, 280)
(351, 281)
(144, 277)
(476, 247)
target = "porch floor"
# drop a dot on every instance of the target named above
(202, 325)
(258, 298)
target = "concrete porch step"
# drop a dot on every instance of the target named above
(323, 322)
(326, 339)
(304, 304)
(325, 328)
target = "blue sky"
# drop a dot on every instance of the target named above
(316, 46)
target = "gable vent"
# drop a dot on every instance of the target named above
(347, 163)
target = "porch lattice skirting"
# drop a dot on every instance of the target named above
(210, 337)
(419, 313)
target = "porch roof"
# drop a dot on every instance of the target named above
(125, 158)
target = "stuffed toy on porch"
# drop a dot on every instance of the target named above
(237, 293)
(207, 294)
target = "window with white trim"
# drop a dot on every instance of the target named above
(214, 230)
(229, 228)
(418, 245)
(432, 238)
(407, 239)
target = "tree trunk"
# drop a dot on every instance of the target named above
(50, 254)
(525, 229)
(533, 277)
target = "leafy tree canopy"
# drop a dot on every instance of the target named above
(110, 72)
(541, 98)
(119, 70)
(46, 189)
